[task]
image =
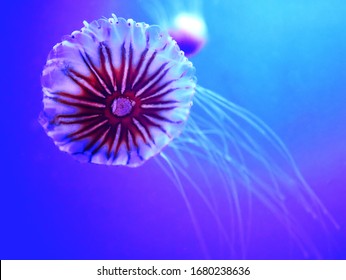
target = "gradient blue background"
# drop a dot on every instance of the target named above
(285, 62)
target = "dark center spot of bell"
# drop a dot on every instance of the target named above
(122, 106)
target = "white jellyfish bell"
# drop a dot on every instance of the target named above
(119, 92)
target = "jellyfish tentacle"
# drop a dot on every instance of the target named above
(222, 134)
(208, 151)
(174, 169)
(308, 198)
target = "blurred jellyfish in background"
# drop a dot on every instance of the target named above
(118, 92)
(183, 20)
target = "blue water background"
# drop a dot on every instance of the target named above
(285, 61)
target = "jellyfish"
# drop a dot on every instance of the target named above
(116, 92)
(183, 21)
(120, 92)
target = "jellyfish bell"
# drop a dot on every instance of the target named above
(116, 92)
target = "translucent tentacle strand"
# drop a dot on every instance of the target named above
(246, 155)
